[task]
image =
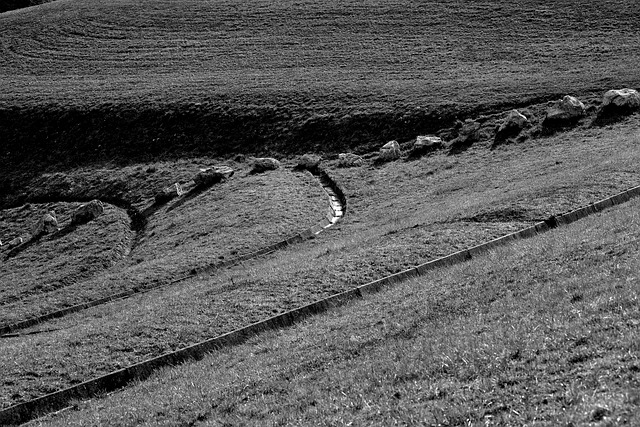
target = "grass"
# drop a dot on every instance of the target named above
(440, 204)
(101, 51)
(542, 332)
(178, 237)
(144, 79)
(118, 99)
(55, 261)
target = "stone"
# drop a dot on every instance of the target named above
(390, 151)
(470, 131)
(467, 133)
(264, 164)
(622, 98)
(564, 112)
(616, 104)
(349, 160)
(511, 127)
(166, 194)
(426, 144)
(209, 176)
(47, 224)
(87, 212)
(309, 162)
(15, 242)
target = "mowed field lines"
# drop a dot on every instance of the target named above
(412, 52)
(104, 80)
(118, 99)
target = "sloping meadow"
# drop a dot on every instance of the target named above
(399, 214)
(542, 331)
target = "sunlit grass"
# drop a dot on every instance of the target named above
(543, 331)
(427, 219)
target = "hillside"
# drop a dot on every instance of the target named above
(130, 102)
(399, 214)
(98, 79)
(544, 332)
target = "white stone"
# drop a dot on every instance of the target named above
(515, 119)
(209, 176)
(348, 160)
(15, 242)
(567, 109)
(427, 141)
(390, 151)
(309, 161)
(87, 212)
(47, 224)
(264, 164)
(623, 98)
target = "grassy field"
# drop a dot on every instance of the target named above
(119, 99)
(178, 237)
(400, 214)
(55, 261)
(101, 79)
(542, 332)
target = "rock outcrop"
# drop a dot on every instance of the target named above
(425, 145)
(264, 164)
(309, 162)
(617, 104)
(209, 176)
(563, 113)
(46, 225)
(390, 151)
(349, 160)
(87, 212)
(622, 98)
(468, 133)
(513, 124)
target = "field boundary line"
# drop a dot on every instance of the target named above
(52, 402)
(337, 208)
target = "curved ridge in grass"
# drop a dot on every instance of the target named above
(337, 208)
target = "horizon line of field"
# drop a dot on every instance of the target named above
(59, 400)
(336, 211)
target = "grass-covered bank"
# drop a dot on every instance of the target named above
(542, 332)
(89, 81)
(399, 214)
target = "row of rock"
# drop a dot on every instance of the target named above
(569, 111)
(563, 113)
(48, 223)
(206, 177)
